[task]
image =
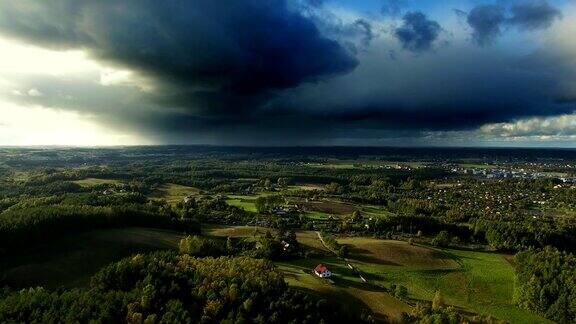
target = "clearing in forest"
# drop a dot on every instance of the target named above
(92, 182)
(174, 193)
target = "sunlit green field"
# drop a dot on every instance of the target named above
(317, 215)
(174, 193)
(477, 281)
(91, 182)
(244, 202)
(233, 231)
(346, 287)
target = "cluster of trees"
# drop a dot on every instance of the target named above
(267, 203)
(530, 233)
(545, 283)
(341, 250)
(385, 226)
(438, 312)
(201, 246)
(170, 288)
(399, 291)
(428, 314)
(444, 239)
(277, 245)
(214, 210)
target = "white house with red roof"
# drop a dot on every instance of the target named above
(322, 271)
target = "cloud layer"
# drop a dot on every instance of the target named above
(489, 20)
(298, 72)
(417, 32)
(210, 53)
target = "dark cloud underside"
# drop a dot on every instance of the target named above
(418, 33)
(209, 49)
(486, 21)
(489, 21)
(532, 15)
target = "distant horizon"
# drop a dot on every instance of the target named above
(292, 146)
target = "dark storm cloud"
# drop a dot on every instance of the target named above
(418, 33)
(486, 22)
(253, 71)
(533, 15)
(438, 100)
(241, 50)
(489, 21)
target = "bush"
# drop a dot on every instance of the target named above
(401, 292)
(442, 239)
(201, 246)
(438, 301)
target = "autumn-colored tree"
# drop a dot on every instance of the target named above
(438, 301)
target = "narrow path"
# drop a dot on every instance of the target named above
(370, 297)
(324, 243)
(348, 264)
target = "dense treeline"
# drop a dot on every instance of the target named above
(167, 288)
(545, 283)
(33, 225)
(521, 235)
(214, 210)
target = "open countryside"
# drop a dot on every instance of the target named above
(385, 245)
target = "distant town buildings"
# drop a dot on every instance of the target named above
(500, 173)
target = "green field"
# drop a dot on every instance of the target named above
(477, 281)
(233, 231)
(345, 286)
(174, 193)
(375, 211)
(334, 165)
(91, 182)
(244, 202)
(316, 215)
(348, 288)
(71, 261)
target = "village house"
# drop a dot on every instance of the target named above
(322, 271)
(285, 245)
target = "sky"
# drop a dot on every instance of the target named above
(288, 72)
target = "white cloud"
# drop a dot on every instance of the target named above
(25, 126)
(551, 127)
(24, 59)
(35, 93)
(33, 124)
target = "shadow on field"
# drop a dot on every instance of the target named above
(364, 255)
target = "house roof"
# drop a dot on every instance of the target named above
(321, 268)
